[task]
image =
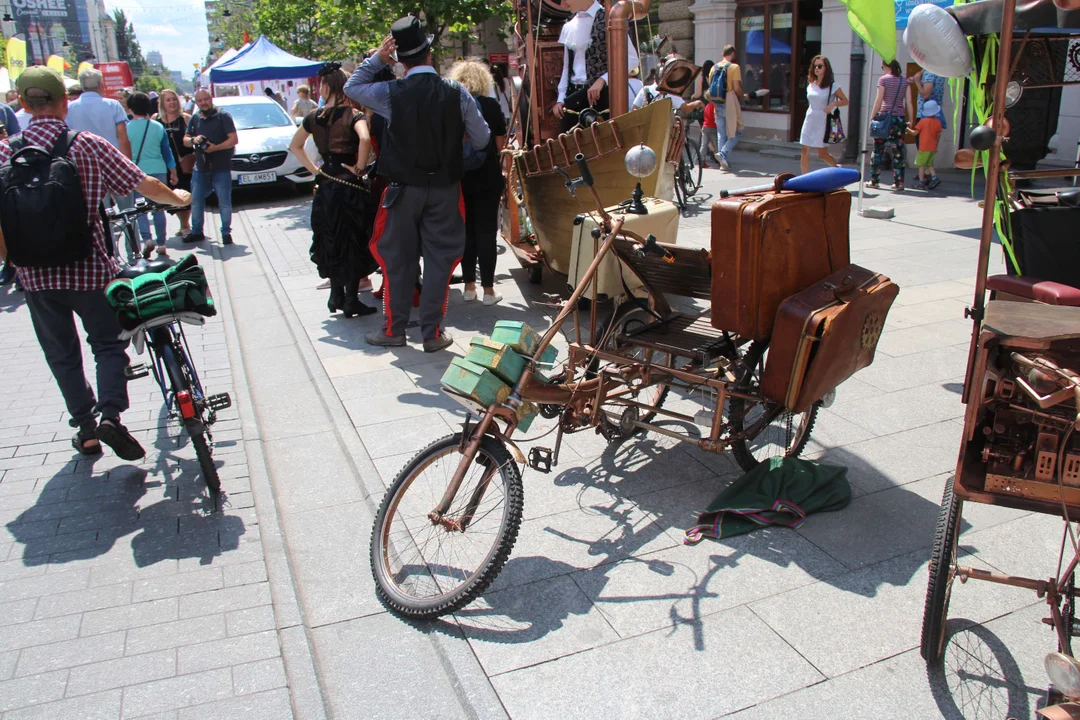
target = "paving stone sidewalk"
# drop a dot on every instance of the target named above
(121, 594)
(601, 611)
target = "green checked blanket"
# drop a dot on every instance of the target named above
(180, 288)
(780, 491)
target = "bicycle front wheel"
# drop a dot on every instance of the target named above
(426, 568)
(693, 169)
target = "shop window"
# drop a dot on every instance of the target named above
(764, 52)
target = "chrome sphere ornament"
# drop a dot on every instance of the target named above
(641, 161)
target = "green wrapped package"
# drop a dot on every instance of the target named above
(780, 491)
(180, 288)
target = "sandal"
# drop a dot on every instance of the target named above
(84, 436)
(116, 436)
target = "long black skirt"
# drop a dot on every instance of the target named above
(340, 231)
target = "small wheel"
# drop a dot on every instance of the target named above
(785, 436)
(536, 275)
(942, 571)
(653, 395)
(206, 460)
(425, 568)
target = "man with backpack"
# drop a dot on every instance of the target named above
(52, 231)
(726, 92)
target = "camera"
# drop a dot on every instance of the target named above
(202, 145)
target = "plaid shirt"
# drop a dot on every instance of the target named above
(102, 169)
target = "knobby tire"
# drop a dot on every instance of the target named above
(942, 572)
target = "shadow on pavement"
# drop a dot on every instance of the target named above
(81, 514)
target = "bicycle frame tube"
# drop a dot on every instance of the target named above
(526, 380)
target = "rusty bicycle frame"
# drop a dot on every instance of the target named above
(610, 384)
(1055, 589)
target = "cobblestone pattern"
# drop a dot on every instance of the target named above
(121, 594)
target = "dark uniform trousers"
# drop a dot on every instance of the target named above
(427, 221)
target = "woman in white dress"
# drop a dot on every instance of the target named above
(823, 96)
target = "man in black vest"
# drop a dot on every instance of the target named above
(422, 158)
(585, 58)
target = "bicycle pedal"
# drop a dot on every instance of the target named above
(136, 371)
(540, 459)
(220, 401)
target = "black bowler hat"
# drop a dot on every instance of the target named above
(410, 38)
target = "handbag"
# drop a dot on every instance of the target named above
(187, 164)
(834, 129)
(881, 125)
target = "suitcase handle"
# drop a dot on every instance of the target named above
(846, 288)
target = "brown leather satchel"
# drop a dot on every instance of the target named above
(767, 247)
(187, 164)
(825, 334)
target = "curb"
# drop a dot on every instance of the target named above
(297, 649)
(472, 688)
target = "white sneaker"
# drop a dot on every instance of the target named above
(469, 295)
(492, 299)
(323, 285)
(723, 161)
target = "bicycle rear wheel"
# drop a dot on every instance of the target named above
(693, 169)
(182, 379)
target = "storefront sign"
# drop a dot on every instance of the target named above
(48, 24)
(781, 21)
(904, 8)
(751, 22)
(497, 58)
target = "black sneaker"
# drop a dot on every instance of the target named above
(194, 237)
(116, 436)
(226, 239)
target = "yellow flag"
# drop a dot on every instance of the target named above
(84, 66)
(16, 55)
(56, 63)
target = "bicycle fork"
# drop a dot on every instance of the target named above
(438, 516)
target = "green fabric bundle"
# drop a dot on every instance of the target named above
(781, 491)
(180, 288)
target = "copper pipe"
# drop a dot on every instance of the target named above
(618, 35)
(993, 177)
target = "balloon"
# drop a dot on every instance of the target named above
(982, 137)
(936, 42)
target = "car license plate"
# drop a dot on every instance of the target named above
(255, 178)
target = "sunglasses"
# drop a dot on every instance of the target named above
(819, 66)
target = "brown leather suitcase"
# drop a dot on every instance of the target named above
(767, 247)
(825, 334)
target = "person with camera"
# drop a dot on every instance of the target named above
(212, 133)
(54, 233)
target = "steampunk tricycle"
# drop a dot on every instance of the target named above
(790, 319)
(1022, 389)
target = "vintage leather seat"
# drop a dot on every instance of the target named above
(1042, 291)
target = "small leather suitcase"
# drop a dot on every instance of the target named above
(767, 247)
(825, 334)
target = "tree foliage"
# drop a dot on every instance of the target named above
(336, 29)
(127, 45)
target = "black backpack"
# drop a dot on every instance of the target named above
(42, 205)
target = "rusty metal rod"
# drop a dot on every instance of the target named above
(970, 573)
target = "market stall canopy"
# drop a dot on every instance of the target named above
(263, 61)
(204, 76)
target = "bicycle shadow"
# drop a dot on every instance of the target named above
(92, 503)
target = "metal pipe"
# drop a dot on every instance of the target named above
(993, 177)
(970, 573)
(618, 35)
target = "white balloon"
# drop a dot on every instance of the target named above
(936, 42)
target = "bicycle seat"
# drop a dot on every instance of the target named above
(146, 266)
(1042, 291)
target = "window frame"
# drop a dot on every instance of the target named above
(770, 6)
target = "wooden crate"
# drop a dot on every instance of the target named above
(475, 382)
(497, 357)
(517, 335)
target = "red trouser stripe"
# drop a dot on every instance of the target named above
(373, 245)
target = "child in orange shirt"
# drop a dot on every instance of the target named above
(928, 128)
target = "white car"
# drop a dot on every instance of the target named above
(264, 132)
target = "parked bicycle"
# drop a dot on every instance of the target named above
(163, 338)
(687, 175)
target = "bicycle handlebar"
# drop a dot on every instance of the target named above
(142, 207)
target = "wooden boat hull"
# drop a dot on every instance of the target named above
(542, 188)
